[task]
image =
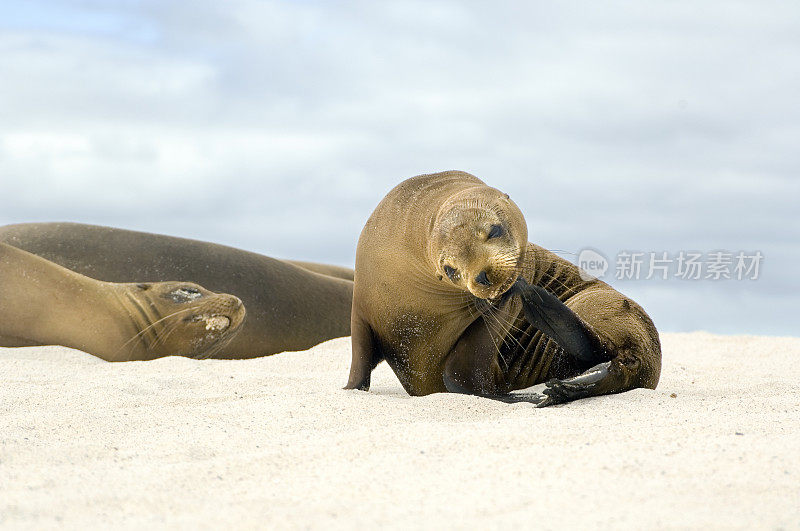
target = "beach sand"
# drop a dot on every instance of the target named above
(276, 443)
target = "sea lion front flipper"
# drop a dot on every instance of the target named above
(554, 318)
(366, 355)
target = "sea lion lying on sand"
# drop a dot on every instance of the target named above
(42, 303)
(290, 305)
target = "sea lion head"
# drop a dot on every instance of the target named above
(478, 241)
(184, 319)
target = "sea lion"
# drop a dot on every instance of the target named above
(43, 303)
(289, 307)
(451, 294)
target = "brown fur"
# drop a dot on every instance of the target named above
(289, 306)
(427, 326)
(42, 303)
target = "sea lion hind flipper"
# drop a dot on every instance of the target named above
(554, 318)
(596, 381)
(615, 376)
(452, 381)
(529, 398)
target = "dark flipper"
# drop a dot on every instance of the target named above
(533, 398)
(547, 313)
(557, 321)
(590, 383)
(366, 355)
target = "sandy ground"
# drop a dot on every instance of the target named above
(275, 443)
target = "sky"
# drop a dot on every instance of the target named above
(619, 127)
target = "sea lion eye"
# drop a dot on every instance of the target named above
(450, 272)
(185, 294)
(495, 232)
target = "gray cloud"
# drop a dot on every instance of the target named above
(277, 126)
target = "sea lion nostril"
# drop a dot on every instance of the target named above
(482, 279)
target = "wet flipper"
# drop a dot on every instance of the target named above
(547, 313)
(589, 383)
(453, 386)
(604, 371)
(558, 322)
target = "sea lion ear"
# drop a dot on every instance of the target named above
(507, 196)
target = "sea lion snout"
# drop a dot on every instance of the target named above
(222, 312)
(483, 285)
(485, 268)
(183, 318)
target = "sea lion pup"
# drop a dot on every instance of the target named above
(289, 306)
(42, 303)
(450, 293)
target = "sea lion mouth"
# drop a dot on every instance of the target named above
(505, 290)
(214, 322)
(498, 300)
(217, 323)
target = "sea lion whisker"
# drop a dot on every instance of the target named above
(137, 305)
(546, 283)
(492, 313)
(216, 347)
(151, 326)
(511, 326)
(148, 328)
(161, 338)
(556, 251)
(494, 333)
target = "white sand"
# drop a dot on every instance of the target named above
(275, 442)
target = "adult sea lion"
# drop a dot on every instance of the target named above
(42, 303)
(452, 295)
(289, 306)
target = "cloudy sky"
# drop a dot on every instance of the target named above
(278, 126)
